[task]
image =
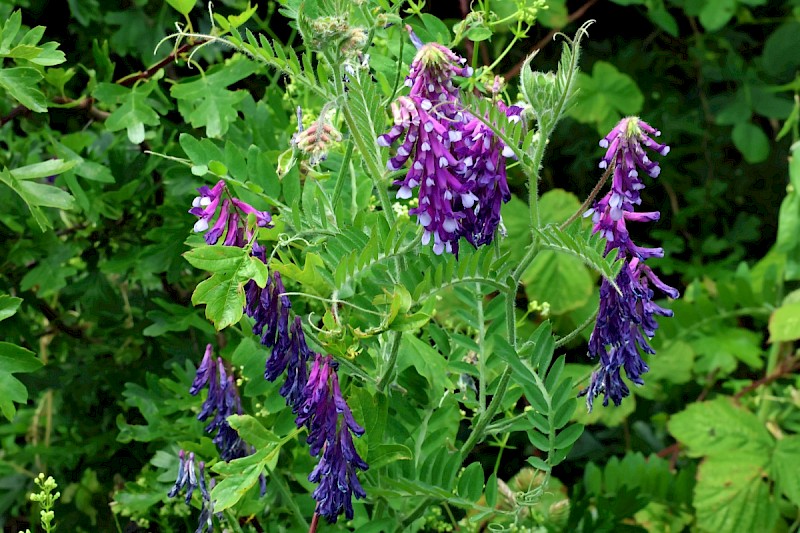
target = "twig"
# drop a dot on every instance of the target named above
(787, 366)
(578, 13)
(130, 79)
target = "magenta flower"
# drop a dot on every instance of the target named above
(228, 221)
(625, 321)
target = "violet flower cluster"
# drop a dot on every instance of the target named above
(189, 477)
(229, 220)
(315, 396)
(222, 401)
(626, 320)
(454, 159)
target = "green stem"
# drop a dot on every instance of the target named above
(481, 353)
(337, 191)
(483, 421)
(577, 331)
(418, 511)
(508, 48)
(391, 362)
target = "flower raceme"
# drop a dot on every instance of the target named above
(626, 319)
(315, 396)
(454, 159)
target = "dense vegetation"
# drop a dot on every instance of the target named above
(213, 267)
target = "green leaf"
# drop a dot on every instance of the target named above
(252, 431)
(429, 363)
(44, 169)
(559, 280)
(245, 472)
(385, 454)
(605, 97)
(784, 467)
(14, 359)
(470, 484)
(716, 13)
(20, 82)
(779, 56)
(751, 141)
(784, 323)
(568, 436)
(731, 495)
(184, 7)
(134, 113)
(8, 306)
(38, 195)
(223, 293)
(206, 101)
(718, 427)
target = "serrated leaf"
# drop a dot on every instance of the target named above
(605, 97)
(207, 102)
(252, 431)
(718, 427)
(134, 113)
(247, 470)
(784, 467)
(20, 83)
(731, 494)
(223, 292)
(561, 281)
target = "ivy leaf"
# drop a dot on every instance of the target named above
(731, 494)
(206, 101)
(605, 96)
(134, 113)
(20, 82)
(223, 292)
(718, 427)
(14, 359)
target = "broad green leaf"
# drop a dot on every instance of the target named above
(20, 82)
(716, 13)
(184, 7)
(605, 97)
(8, 306)
(244, 476)
(223, 292)
(719, 428)
(429, 363)
(731, 494)
(784, 323)
(134, 113)
(751, 141)
(560, 280)
(722, 349)
(784, 467)
(252, 431)
(206, 101)
(779, 56)
(308, 277)
(37, 195)
(14, 359)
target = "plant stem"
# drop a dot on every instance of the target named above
(482, 353)
(589, 199)
(391, 362)
(337, 191)
(484, 420)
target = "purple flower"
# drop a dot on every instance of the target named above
(625, 320)
(453, 157)
(221, 402)
(189, 476)
(228, 221)
(336, 471)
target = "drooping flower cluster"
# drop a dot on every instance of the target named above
(314, 397)
(626, 320)
(188, 476)
(229, 220)
(336, 470)
(455, 160)
(222, 401)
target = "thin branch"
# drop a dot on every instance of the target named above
(786, 367)
(578, 13)
(130, 79)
